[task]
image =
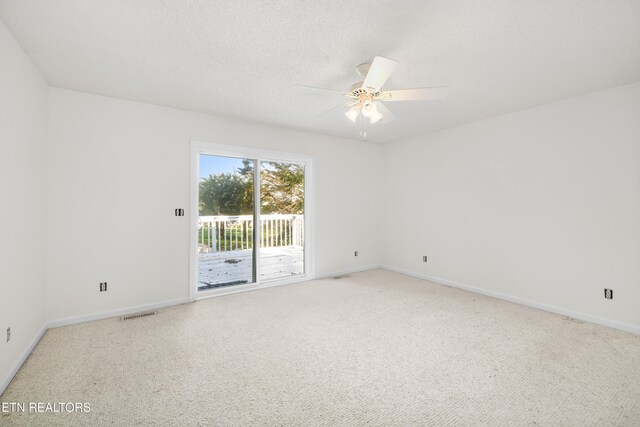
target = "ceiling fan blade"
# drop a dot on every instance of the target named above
(318, 90)
(380, 70)
(387, 115)
(418, 94)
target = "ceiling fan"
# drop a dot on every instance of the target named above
(366, 97)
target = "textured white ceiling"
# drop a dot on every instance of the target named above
(241, 58)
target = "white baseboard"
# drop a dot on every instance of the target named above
(14, 371)
(113, 313)
(635, 329)
(348, 271)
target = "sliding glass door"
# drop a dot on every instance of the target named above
(281, 220)
(251, 220)
(225, 222)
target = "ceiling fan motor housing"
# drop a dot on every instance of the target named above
(355, 88)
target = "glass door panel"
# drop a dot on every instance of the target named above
(281, 220)
(226, 255)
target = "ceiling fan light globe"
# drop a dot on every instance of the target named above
(375, 117)
(368, 109)
(353, 113)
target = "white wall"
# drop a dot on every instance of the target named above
(541, 204)
(23, 124)
(118, 169)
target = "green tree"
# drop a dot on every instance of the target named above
(282, 188)
(246, 172)
(224, 194)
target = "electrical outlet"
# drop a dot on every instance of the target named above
(424, 258)
(9, 334)
(608, 293)
(355, 253)
(103, 286)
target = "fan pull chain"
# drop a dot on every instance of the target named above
(363, 132)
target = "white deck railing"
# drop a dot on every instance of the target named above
(232, 233)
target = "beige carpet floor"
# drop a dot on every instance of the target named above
(375, 348)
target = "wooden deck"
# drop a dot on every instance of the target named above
(220, 269)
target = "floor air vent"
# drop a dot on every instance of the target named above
(137, 315)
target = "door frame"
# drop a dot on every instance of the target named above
(202, 147)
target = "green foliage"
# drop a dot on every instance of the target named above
(246, 171)
(225, 194)
(282, 188)
(281, 191)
